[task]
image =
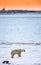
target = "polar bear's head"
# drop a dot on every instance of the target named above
(23, 50)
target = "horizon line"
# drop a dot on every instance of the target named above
(22, 9)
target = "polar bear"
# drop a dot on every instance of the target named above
(17, 51)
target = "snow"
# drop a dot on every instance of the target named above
(32, 54)
(25, 28)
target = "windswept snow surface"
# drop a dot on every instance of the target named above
(32, 54)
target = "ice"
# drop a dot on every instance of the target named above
(20, 28)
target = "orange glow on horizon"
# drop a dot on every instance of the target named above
(20, 4)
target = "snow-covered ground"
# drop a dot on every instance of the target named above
(25, 28)
(31, 56)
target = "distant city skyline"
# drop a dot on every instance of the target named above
(21, 4)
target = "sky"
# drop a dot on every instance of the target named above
(21, 4)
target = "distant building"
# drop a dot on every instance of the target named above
(3, 10)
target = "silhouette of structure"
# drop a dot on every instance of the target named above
(3, 11)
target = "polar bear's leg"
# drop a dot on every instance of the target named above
(19, 54)
(12, 56)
